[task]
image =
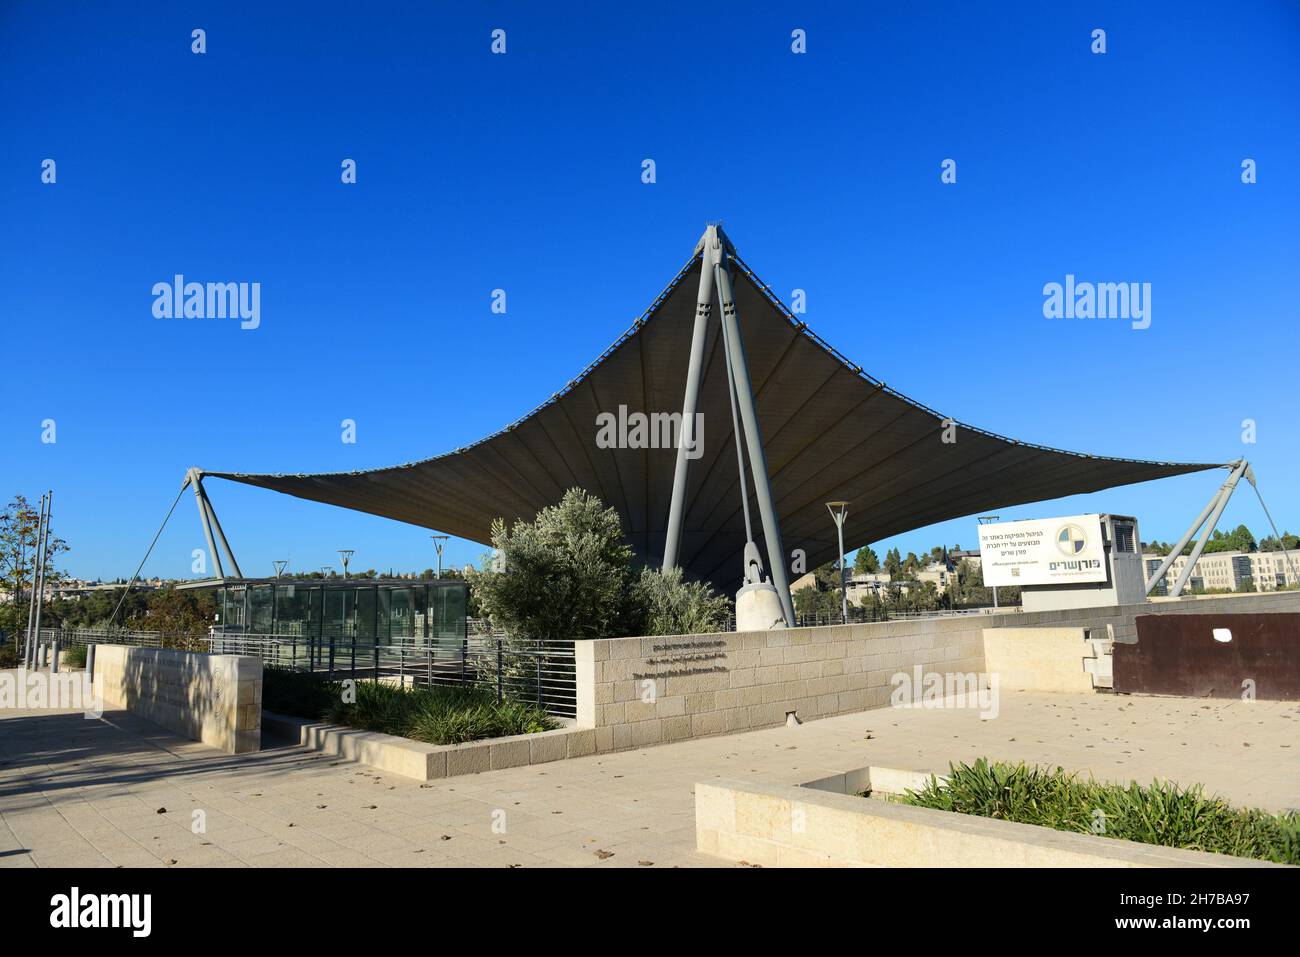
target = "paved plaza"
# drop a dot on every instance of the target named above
(122, 792)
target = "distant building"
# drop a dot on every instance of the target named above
(1229, 571)
(79, 587)
(862, 586)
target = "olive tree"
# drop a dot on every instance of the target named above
(667, 605)
(564, 575)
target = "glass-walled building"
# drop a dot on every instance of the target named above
(369, 611)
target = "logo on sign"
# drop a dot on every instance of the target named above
(1071, 539)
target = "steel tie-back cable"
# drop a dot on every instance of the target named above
(1286, 556)
(121, 600)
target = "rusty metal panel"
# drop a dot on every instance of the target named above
(1178, 654)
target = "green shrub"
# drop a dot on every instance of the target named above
(568, 574)
(472, 721)
(75, 656)
(436, 715)
(1162, 813)
(8, 656)
(667, 605)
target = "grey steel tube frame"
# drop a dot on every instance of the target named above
(839, 527)
(715, 267)
(735, 430)
(191, 478)
(39, 578)
(208, 518)
(708, 246)
(31, 604)
(1158, 575)
(221, 535)
(1220, 504)
(754, 442)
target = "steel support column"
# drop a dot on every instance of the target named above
(192, 478)
(1158, 575)
(709, 247)
(43, 555)
(31, 606)
(1225, 493)
(221, 536)
(754, 442)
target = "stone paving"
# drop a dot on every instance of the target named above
(119, 791)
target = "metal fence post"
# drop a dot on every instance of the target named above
(331, 664)
(500, 674)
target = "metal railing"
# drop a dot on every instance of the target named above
(67, 637)
(540, 673)
(955, 612)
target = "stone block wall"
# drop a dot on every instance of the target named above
(642, 691)
(1047, 659)
(216, 699)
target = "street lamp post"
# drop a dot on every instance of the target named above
(439, 542)
(840, 511)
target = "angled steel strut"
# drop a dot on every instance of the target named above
(716, 254)
(1209, 517)
(208, 517)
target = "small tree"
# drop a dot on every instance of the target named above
(566, 573)
(183, 616)
(867, 562)
(668, 605)
(813, 602)
(893, 563)
(19, 528)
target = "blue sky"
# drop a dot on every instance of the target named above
(522, 172)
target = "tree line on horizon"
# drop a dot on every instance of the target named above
(1240, 539)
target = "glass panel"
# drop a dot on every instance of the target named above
(401, 614)
(261, 609)
(292, 610)
(447, 611)
(315, 612)
(336, 613)
(420, 612)
(349, 612)
(365, 612)
(233, 617)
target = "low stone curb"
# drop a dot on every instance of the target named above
(782, 826)
(428, 762)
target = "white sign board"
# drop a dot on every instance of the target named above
(1048, 551)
